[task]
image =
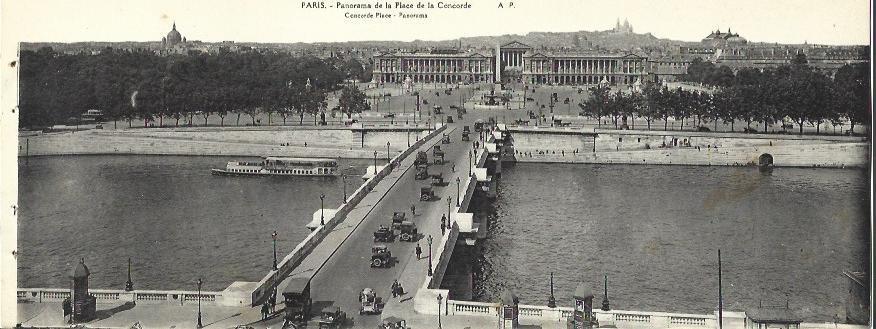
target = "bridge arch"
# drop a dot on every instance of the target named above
(765, 160)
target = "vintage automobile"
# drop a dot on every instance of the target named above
(296, 298)
(437, 154)
(397, 218)
(392, 323)
(438, 180)
(380, 256)
(332, 317)
(407, 231)
(389, 115)
(445, 139)
(421, 158)
(437, 109)
(479, 125)
(422, 172)
(426, 193)
(383, 234)
(370, 302)
(449, 119)
(465, 133)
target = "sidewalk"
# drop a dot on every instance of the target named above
(121, 315)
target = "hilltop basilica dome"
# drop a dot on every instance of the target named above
(173, 37)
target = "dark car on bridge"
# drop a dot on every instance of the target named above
(426, 193)
(397, 218)
(437, 154)
(422, 172)
(332, 317)
(384, 234)
(438, 180)
(421, 158)
(408, 231)
(296, 297)
(380, 256)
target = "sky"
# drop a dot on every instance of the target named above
(783, 21)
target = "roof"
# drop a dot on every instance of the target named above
(294, 285)
(583, 291)
(81, 271)
(298, 159)
(773, 315)
(515, 45)
(509, 298)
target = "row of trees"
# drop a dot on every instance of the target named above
(134, 85)
(796, 92)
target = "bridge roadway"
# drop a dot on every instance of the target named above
(342, 272)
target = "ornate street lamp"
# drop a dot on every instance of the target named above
(469, 163)
(199, 303)
(429, 269)
(129, 285)
(439, 310)
(448, 207)
(321, 209)
(274, 238)
(605, 304)
(344, 179)
(387, 152)
(375, 163)
(552, 302)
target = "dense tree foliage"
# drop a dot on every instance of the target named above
(129, 85)
(794, 92)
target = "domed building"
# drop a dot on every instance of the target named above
(173, 38)
(719, 39)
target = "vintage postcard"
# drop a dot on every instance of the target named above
(628, 164)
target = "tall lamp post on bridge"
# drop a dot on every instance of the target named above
(439, 310)
(457, 194)
(429, 269)
(274, 238)
(448, 208)
(469, 163)
(387, 152)
(321, 209)
(344, 179)
(199, 303)
(375, 163)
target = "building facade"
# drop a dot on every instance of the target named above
(434, 66)
(583, 68)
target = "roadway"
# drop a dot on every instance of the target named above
(347, 270)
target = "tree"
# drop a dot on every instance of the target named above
(352, 100)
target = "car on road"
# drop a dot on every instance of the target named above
(383, 234)
(332, 317)
(397, 218)
(296, 298)
(408, 231)
(370, 302)
(380, 256)
(422, 172)
(389, 115)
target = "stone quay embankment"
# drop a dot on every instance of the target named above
(568, 145)
(334, 142)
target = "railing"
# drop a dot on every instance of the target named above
(626, 317)
(109, 296)
(684, 320)
(472, 308)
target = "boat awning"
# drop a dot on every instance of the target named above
(329, 214)
(369, 172)
(481, 174)
(465, 220)
(491, 148)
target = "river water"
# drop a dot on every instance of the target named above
(168, 213)
(785, 236)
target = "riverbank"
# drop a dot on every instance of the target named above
(558, 145)
(232, 141)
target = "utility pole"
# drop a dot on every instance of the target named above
(720, 295)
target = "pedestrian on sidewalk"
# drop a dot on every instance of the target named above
(443, 227)
(418, 250)
(453, 167)
(273, 301)
(413, 210)
(265, 310)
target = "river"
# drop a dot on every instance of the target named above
(167, 213)
(785, 236)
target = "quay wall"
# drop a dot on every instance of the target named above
(328, 142)
(686, 148)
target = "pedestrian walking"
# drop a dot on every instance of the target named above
(453, 167)
(413, 210)
(265, 310)
(394, 288)
(273, 301)
(443, 227)
(418, 250)
(67, 308)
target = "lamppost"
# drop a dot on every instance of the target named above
(344, 179)
(469, 163)
(375, 163)
(552, 302)
(457, 194)
(387, 152)
(448, 207)
(439, 310)
(199, 303)
(429, 269)
(409, 138)
(321, 209)
(129, 285)
(274, 238)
